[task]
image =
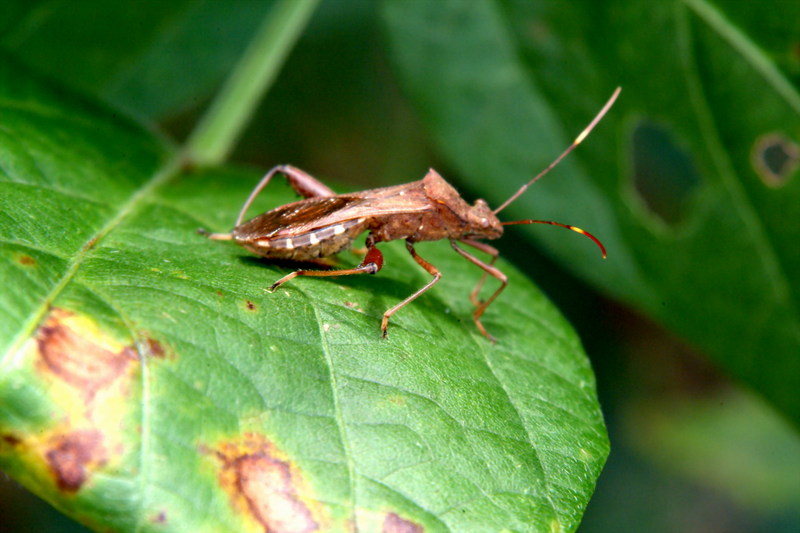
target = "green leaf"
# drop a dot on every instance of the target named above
(148, 382)
(691, 180)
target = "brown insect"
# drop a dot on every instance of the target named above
(325, 223)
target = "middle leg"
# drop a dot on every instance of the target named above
(487, 269)
(432, 270)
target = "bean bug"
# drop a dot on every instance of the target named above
(325, 223)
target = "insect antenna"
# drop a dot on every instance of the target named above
(579, 139)
(568, 226)
(558, 159)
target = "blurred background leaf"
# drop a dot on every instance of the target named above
(137, 56)
(691, 182)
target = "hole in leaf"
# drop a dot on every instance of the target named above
(664, 176)
(775, 158)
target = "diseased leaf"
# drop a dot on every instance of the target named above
(148, 382)
(698, 203)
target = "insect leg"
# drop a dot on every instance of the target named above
(371, 264)
(432, 270)
(489, 250)
(487, 269)
(303, 184)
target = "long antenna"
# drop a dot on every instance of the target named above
(568, 226)
(575, 143)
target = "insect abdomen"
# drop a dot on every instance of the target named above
(320, 242)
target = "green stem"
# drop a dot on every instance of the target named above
(212, 140)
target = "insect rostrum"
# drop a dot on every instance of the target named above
(325, 223)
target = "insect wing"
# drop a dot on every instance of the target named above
(376, 203)
(314, 213)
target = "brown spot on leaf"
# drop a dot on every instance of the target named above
(266, 485)
(90, 244)
(73, 350)
(354, 305)
(250, 306)
(26, 260)
(73, 457)
(11, 440)
(160, 518)
(155, 348)
(394, 524)
(397, 399)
